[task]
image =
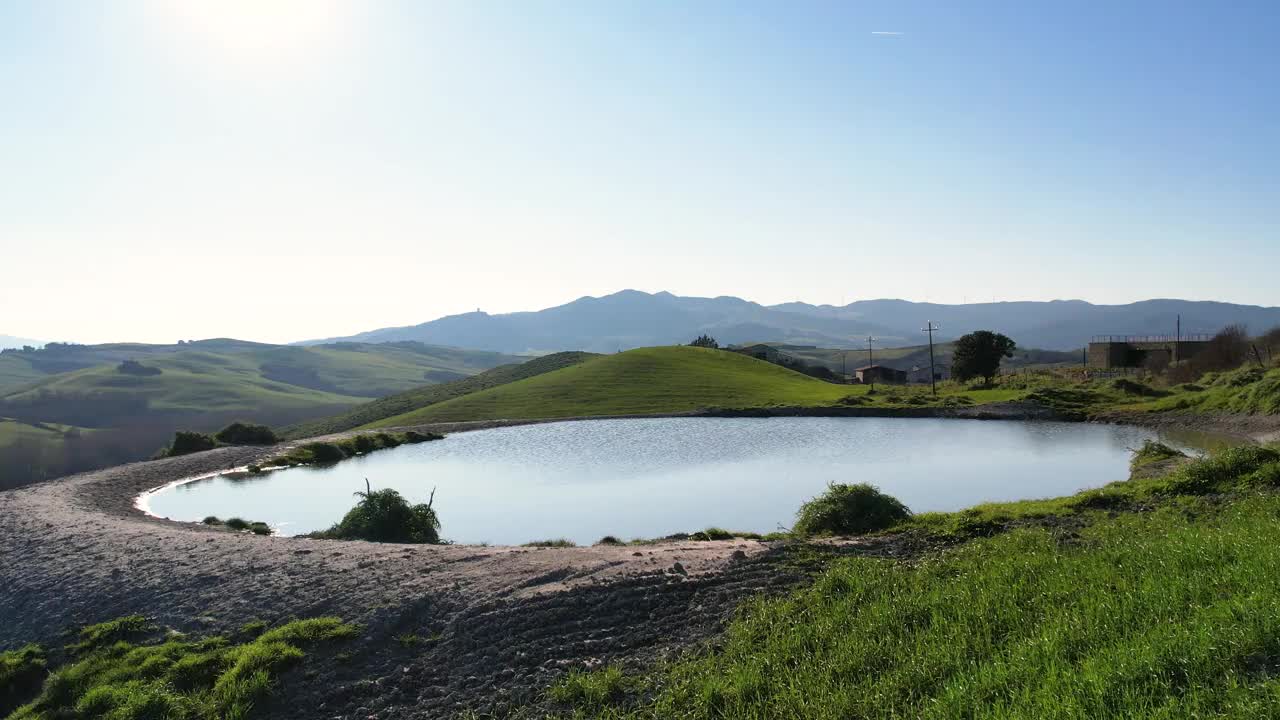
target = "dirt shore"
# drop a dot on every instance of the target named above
(497, 624)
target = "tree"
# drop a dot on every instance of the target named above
(978, 355)
(705, 341)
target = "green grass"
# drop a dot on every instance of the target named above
(42, 434)
(110, 676)
(1249, 390)
(22, 672)
(648, 380)
(680, 379)
(421, 397)
(1170, 612)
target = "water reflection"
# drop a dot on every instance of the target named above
(642, 478)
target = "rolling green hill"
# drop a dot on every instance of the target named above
(127, 399)
(353, 369)
(647, 380)
(420, 398)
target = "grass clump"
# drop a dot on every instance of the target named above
(850, 510)
(610, 540)
(592, 690)
(555, 542)
(174, 679)
(22, 672)
(1152, 452)
(385, 516)
(94, 637)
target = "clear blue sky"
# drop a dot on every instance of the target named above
(284, 169)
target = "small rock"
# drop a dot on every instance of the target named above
(678, 568)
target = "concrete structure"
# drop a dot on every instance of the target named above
(920, 373)
(1134, 351)
(880, 373)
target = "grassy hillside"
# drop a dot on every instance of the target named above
(421, 397)
(1084, 608)
(17, 371)
(353, 369)
(134, 396)
(648, 380)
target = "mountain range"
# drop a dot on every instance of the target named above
(632, 318)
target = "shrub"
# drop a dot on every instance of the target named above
(385, 516)
(186, 442)
(238, 433)
(212, 520)
(133, 367)
(1129, 387)
(609, 540)
(323, 452)
(850, 510)
(236, 523)
(556, 542)
(1152, 451)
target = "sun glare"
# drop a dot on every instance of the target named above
(260, 30)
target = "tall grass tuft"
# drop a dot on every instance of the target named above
(850, 510)
(385, 516)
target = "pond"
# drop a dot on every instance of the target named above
(653, 477)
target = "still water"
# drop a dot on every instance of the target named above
(646, 478)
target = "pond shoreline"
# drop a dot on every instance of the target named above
(76, 551)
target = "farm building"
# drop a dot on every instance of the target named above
(920, 373)
(880, 374)
(1134, 351)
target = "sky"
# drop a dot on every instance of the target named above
(277, 170)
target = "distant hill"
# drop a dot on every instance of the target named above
(9, 341)
(647, 380)
(422, 397)
(630, 319)
(68, 408)
(905, 358)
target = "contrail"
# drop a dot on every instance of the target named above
(891, 33)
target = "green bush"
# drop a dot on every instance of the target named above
(609, 540)
(324, 452)
(385, 516)
(239, 433)
(1152, 451)
(186, 442)
(849, 510)
(236, 523)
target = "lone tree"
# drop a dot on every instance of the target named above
(705, 341)
(978, 355)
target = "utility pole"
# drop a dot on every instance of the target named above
(930, 328)
(871, 361)
(1177, 342)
